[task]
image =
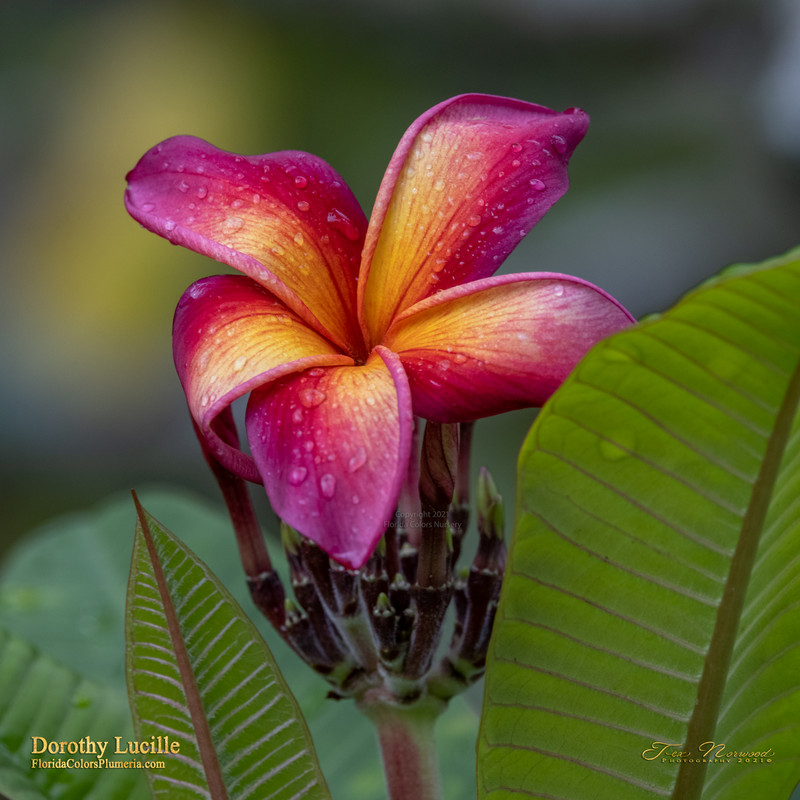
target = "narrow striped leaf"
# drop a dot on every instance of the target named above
(43, 699)
(200, 676)
(653, 590)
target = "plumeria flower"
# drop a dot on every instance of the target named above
(343, 329)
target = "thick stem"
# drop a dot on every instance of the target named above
(408, 749)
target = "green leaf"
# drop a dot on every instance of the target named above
(63, 588)
(652, 591)
(201, 678)
(40, 698)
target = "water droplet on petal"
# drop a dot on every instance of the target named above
(537, 185)
(343, 224)
(202, 191)
(559, 143)
(357, 460)
(233, 224)
(516, 147)
(301, 181)
(297, 415)
(298, 475)
(311, 398)
(474, 220)
(170, 225)
(460, 358)
(239, 363)
(298, 238)
(183, 187)
(303, 205)
(327, 485)
(558, 290)
(147, 207)
(316, 372)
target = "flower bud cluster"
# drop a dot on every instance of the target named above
(380, 628)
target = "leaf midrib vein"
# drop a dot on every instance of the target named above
(690, 779)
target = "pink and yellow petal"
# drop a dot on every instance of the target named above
(332, 446)
(287, 220)
(230, 335)
(468, 180)
(500, 343)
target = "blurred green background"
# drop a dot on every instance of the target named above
(691, 163)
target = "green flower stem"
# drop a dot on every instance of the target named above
(408, 749)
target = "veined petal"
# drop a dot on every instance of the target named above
(468, 180)
(500, 343)
(332, 446)
(230, 335)
(287, 220)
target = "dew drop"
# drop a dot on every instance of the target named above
(202, 191)
(297, 415)
(339, 220)
(170, 225)
(239, 363)
(357, 460)
(183, 187)
(301, 181)
(558, 290)
(327, 485)
(537, 185)
(308, 445)
(316, 372)
(474, 220)
(277, 250)
(233, 224)
(516, 147)
(298, 238)
(147, 207)
(559, 143)
(460, 358)
(311, 398)
(298, 475)
(303, 206)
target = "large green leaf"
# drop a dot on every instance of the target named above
(63, 588)
(653, 585)
(43, 703)
(201, 676)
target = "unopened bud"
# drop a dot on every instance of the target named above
(489, 505)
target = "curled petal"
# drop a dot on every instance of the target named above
(332, 446)
(286, 219)
(468, 180)
(231, 335)
(500, 343)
